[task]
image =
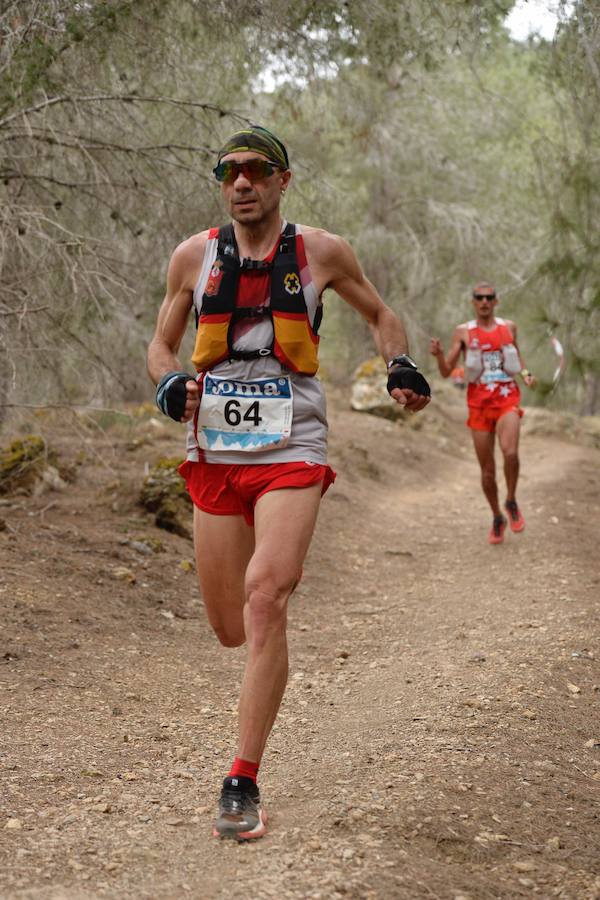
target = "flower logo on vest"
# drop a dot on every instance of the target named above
(291, 283)
(214, 279)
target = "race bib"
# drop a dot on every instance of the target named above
(245, 415)
(493, 367)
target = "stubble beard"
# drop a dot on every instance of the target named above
(252, 217)
(248, 217)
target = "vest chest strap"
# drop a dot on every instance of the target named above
(251, 312)
(250, 354)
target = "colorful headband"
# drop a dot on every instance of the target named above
(256, 138)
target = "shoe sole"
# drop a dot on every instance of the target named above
(259, 830)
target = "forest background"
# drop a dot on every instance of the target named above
(443, 149)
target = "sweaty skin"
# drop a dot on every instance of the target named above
(248, 573)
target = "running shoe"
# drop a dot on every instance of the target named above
(515, 516)
(240, 814)
(497, 532)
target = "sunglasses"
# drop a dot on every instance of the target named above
(252, 169)
(484, 296)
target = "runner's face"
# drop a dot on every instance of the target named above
(484, 302)
(251, 202)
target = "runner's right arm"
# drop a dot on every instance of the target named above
(173, 318)
(447, 363)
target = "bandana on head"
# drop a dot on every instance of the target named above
(256, 138)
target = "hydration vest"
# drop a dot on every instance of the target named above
(508, 362)
(295, 340)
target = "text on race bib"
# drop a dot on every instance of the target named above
(245, 415)
(493, 366)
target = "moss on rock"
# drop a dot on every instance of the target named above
(369, 392)
(371, 368)
(22, 463)
(164, 494)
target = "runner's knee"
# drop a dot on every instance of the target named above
(266, 599)
(264, 578)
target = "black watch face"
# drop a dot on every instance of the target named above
(403, 361)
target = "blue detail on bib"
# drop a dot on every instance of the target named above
(239, 441)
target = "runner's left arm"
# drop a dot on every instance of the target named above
(349, 281)
(528, 379)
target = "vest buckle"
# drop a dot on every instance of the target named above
(255, 264)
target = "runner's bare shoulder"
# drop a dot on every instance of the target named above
(187, 258)
(323, 246)
(461, 333)
(329, 257)
(192, 248)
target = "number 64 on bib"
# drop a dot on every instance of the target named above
(245, 415)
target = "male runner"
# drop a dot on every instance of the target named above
(257, 436)
(492, 359)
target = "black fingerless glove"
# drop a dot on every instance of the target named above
(409, 379)
(171, 394)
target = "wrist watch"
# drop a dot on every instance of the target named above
(402, 360)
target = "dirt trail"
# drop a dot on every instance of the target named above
(440, 736)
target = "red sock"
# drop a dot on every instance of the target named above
(243, 768)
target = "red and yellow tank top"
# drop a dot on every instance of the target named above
(281, 285)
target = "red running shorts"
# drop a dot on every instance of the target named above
(232, 490)
(485, 418)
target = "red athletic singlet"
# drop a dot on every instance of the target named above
(494, 387)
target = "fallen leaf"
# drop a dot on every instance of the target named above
(526, 865)
(485, 836)
(123, 574)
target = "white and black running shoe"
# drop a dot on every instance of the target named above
(240, 814)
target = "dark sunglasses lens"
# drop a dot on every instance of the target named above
(253, 170)
(257, 168)
(224, 172)
(484, 296)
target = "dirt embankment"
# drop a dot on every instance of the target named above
(440, 736)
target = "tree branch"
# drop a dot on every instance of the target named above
(20, 312)
(121, 98)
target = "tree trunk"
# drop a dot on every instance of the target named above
(591, 398)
